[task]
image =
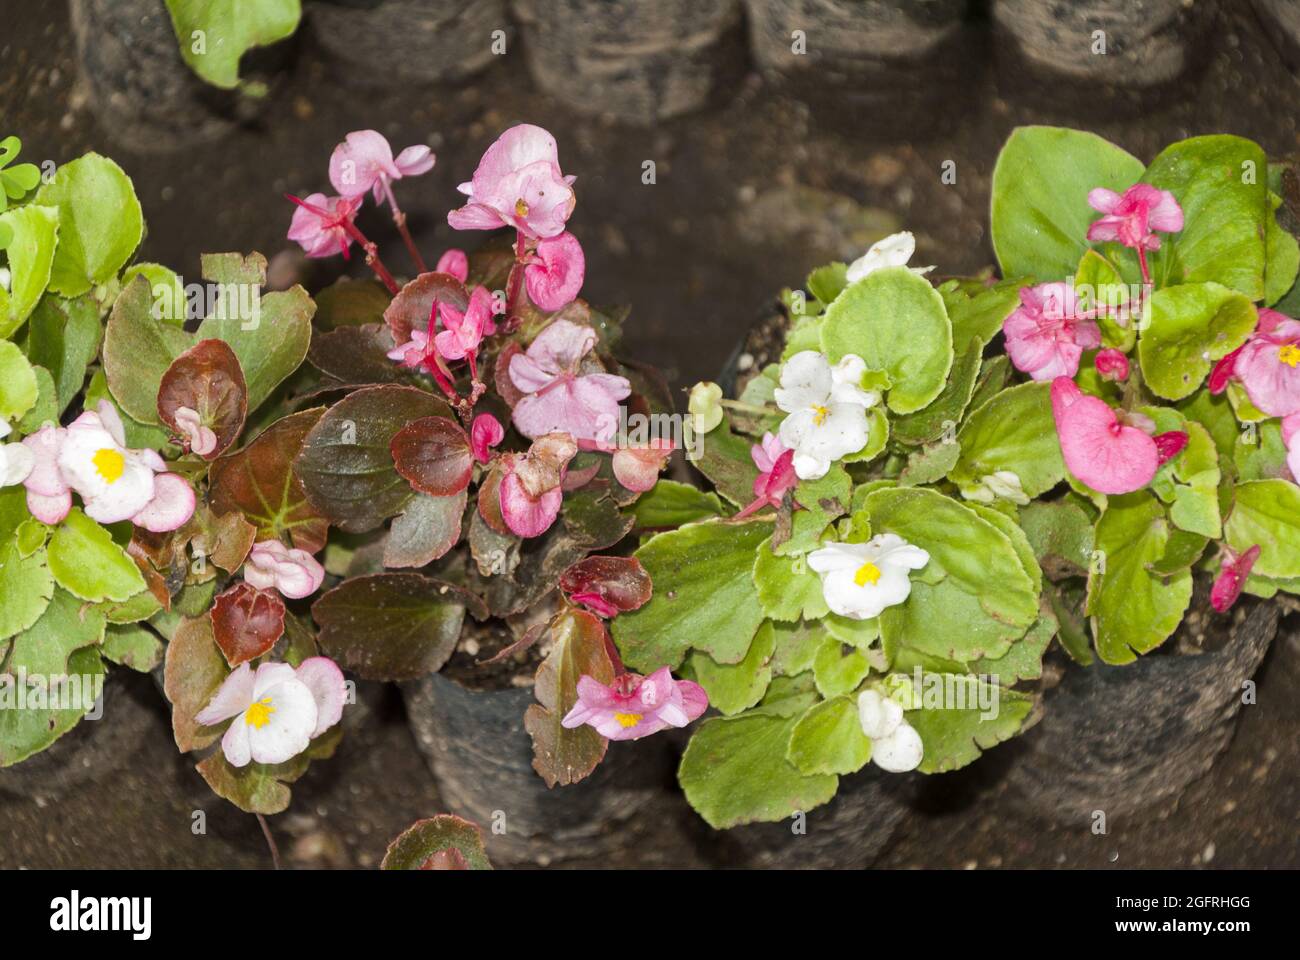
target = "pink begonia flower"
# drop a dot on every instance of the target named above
(278, 710)
(637, 468)
(1233, 573)
(484, 434)
(555, 275)
(318, 224)
(116, 483)
(518, 184)
(1131, 218)
(49, 498)
(557, 397)
(531, 490)
(1169, 445)
(1111, 364)
(454, 262)
(415, 352)
(364, 159)
(1291, 437)
(776, 475)
(1100, 450)
(633, 706)
(463, 332)
(1268, 365)
(199, 438)
(1047, 334)
(273, 566)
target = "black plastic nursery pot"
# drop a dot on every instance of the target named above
(93, 748)
(638, 60)
(1126, 739)
(475, 744)
(143, 93)
(416, 40)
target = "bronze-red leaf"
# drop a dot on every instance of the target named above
(246, 622)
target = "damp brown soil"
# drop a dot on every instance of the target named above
(749, 195)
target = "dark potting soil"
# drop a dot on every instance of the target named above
(749, 196)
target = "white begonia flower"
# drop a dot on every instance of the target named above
(115, 483)
(277, 710)
(861, 579)
(999, 485)
(827, 410)
(16, 461)
(895, 744)
(893, 251)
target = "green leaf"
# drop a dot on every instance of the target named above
(170, 303)
(1282, 256)
(1061, 535)
(270, 334)
(88, 564)
(34, 236)
(215, 34)
(673, 504)
(578, 647)
(1040, 213)
(828, 282)
(63, 337)
(837, 671)
(961, 716)
(1133, 610)
(46, 409)
(100, 223)
(984, 599)
(787, 588)
(724, 458)
(1101, 288)
(704, 596)
(29, 731)
(433, 842)
(946, 412)
(734, 771)
(796, 646)
(193, 671)
(1013, 431)
(828, 739)
(138, 349)
(977, 310)
(18, 388)
(1267, 513)
(822, 500)
(1024, 661)
(1220, 181)
(255, 788)
(133, 646)
(26, 585)
(896, 322)
(392, 626)
(1190, 327)
(64, 627)
(733, 687)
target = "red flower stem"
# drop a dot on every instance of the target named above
(1142, 264)
(350, 228)
(399, 219)
(515, 282)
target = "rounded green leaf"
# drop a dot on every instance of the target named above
(961, 715)
(18, 387)
(733, 687)
(1040, 213)
(1189, 328)
(895, 321)
(33, 237)
(1267, 513)
(26, 585)
(788, 589)
(100, 223)
(214, 34)
(88, 564)
(1013, 431)
(828, 739)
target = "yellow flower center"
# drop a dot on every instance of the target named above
(1289, 354)
(521, 207)
(820, 414)
(109, 464)
(259, 714)
(628, 719)
(867, 573)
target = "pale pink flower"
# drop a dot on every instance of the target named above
(560, 398)
(532, 484)
(364, 161)
(454, 262)
(277, 710)
(320, 224)
(634, 706)
(1268, 364)
(416, 352)
(199, 438)
(637, 468)
(1111, 364)
(484, 434)
(1132, 218)
(463, 332)
(1233, 573)
(776, 474)
(273, 566)
(1047, 334)
(49, 498)
(555, 274)
(1100, 450)
(1291, 437)
(519, 184)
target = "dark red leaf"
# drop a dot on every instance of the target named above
(246, 622)
(606, 584)
(434, 455)
(413, 303)
(208, 379)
